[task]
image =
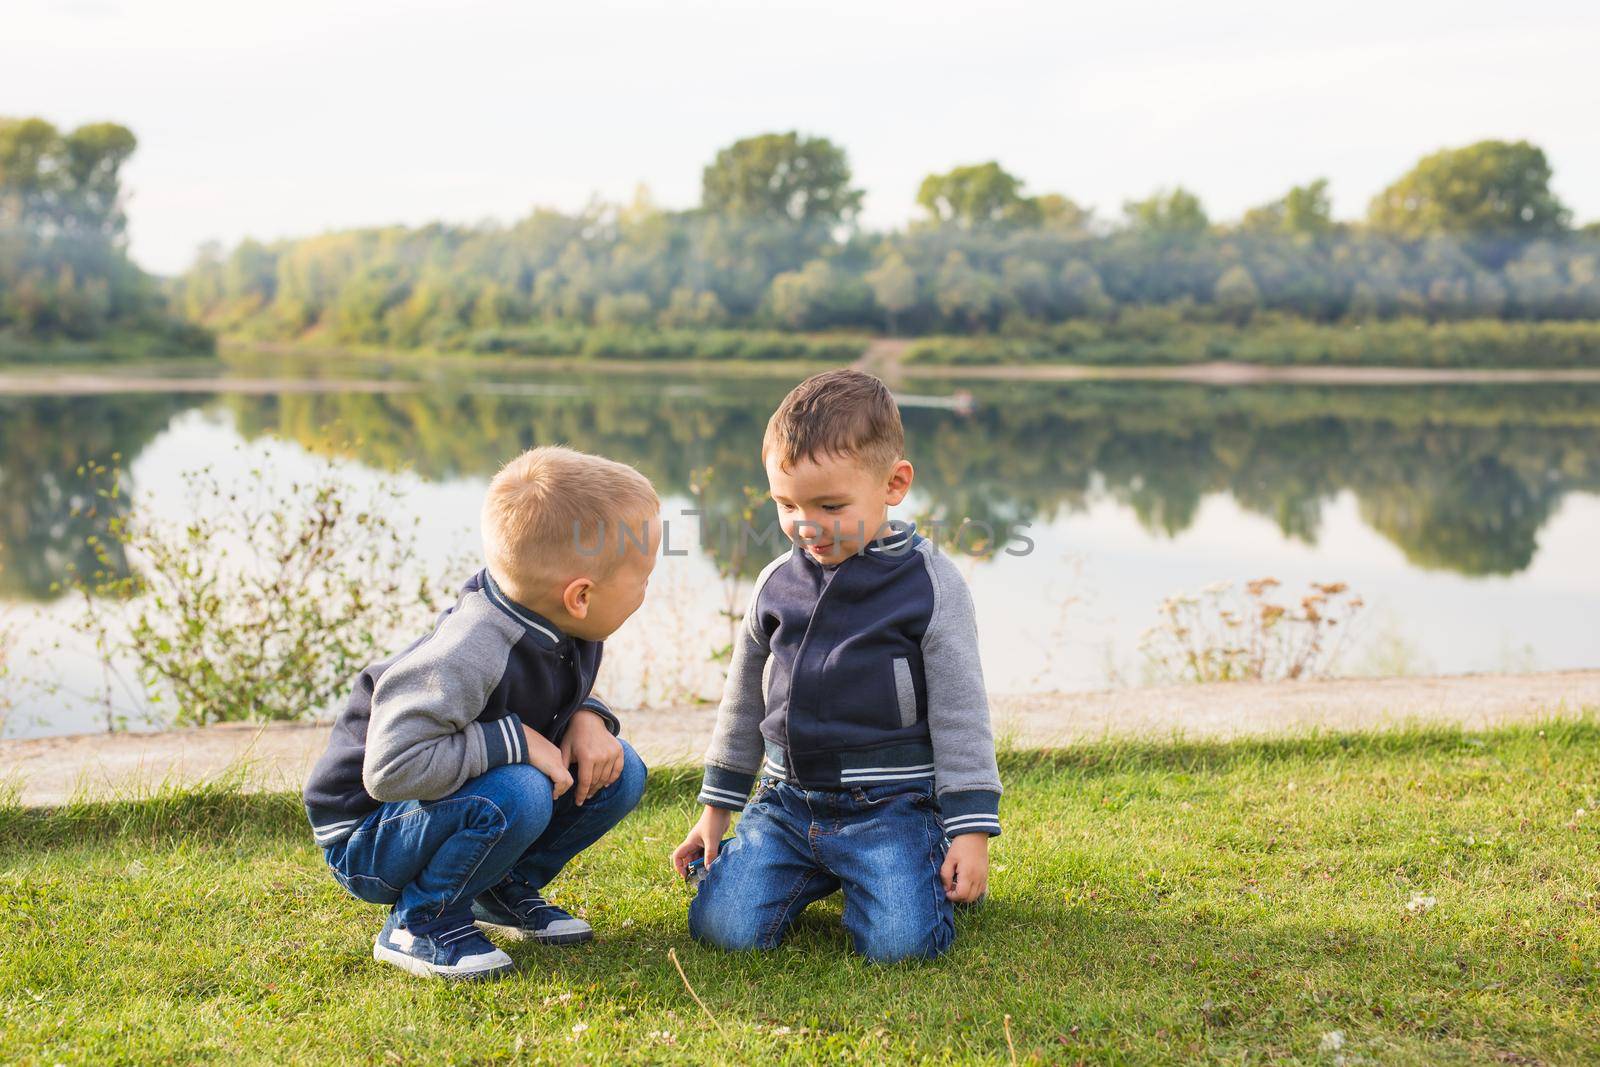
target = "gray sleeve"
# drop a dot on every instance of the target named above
(423, 740)
(736, 747)
(965, 773)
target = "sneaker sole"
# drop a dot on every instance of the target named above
(427, 970)
(517, 933)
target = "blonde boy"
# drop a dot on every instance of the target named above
(467, 770)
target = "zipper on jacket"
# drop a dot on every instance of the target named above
(800, 658)
(559, 723)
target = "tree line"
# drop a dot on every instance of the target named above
(65, 275)
(1468, 233)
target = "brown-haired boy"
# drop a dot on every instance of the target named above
(445, 790)
(855, 688)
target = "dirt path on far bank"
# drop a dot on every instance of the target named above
(885, 357)
(53, 770)
(1223, 373)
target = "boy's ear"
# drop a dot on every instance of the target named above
(575, 597)
(900, 476)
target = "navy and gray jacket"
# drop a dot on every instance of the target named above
(423, 723)
(861, 673)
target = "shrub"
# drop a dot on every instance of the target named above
(7, 638)
(262, 601)
(1222, 635)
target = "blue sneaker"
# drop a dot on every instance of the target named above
(448, 947)
(521, 912)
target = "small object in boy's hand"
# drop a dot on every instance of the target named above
(695, 873)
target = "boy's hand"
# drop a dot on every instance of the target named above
(966, 868)
(597, 753)
(704, 840)
(549, 759)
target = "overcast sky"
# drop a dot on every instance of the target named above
(292, 117)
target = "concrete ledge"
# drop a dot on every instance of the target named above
(53, 770)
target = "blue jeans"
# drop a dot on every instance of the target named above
(429, 857)
(883, 845)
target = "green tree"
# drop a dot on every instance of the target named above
(963, 293)
(91, 196)
(493, 307)
(1491, 188)
(894, 286)
(688, 309)
(1028, 286)
(50, 181)
(1171, 212)
(251, 273)
(812, 296)
(29, 155)
(781, 176)
(1082, 290)
(1063, 214)
(64, 269)
(983, 194)
(1237, 294)
(622, 309)
(1304, 211)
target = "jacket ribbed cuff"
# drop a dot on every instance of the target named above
(503, 741)
(598, 706)
(723, 788)
(970, 811)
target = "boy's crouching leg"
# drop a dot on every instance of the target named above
(467, 841)
(571, 828)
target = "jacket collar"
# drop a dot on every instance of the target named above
(899, 538)
(544, 632)
(897, 542)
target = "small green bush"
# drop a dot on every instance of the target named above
(261, 600)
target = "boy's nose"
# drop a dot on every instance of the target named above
(811, 529)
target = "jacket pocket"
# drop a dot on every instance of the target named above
(905, 691)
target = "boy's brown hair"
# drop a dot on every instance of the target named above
(837, 413)
(552, 510)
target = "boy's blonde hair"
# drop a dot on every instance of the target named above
(554, 511)
(837, 413)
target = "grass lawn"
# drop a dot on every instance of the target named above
(1399, 898)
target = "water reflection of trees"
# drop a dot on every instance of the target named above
(45, 504)
(1459, 478)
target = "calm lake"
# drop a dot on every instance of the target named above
(1466, 517)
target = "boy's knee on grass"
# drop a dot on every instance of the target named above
(730, 929)
(898, 942)
(900, 926)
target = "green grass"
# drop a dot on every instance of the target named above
(1150, 903)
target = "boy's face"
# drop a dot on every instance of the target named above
(619, 595)
(832, 505)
